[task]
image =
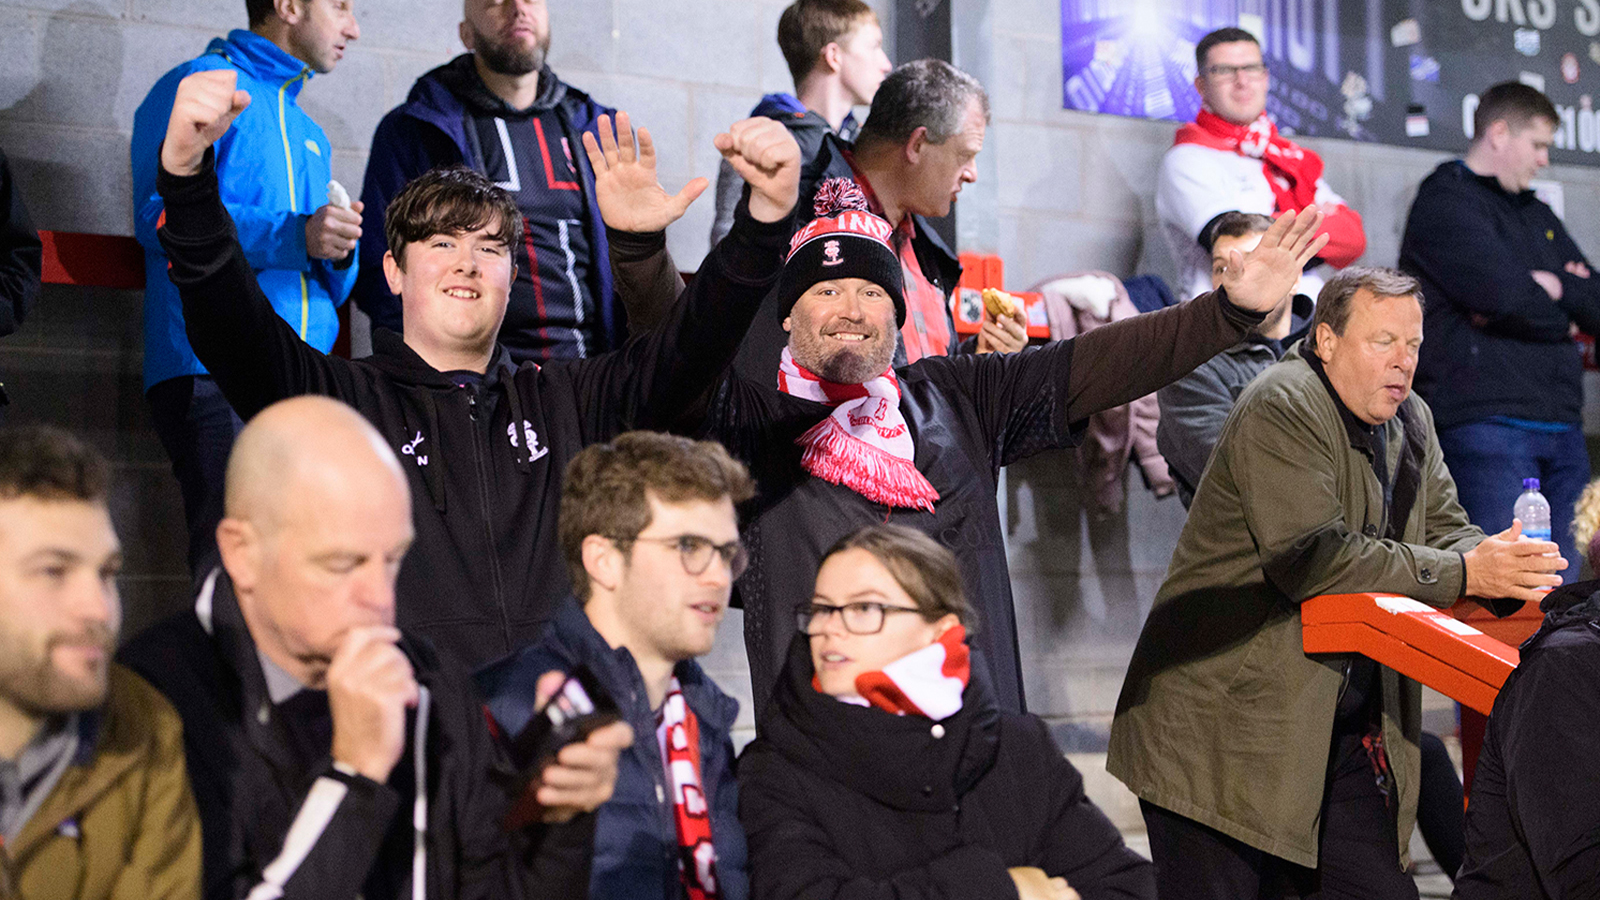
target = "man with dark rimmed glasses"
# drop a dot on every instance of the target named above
(652, 541)
(1231, 157)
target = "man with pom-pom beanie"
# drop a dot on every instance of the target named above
(837, 437)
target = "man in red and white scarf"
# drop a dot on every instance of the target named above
(842, 265)
(838, 437)
(1233, 158)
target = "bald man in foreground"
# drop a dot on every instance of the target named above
(304, 708)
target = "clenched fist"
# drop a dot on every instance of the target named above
(370, 686)
(766, 156)
(203, 111)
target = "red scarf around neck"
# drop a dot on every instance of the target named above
(929, 682)
(1291, 170)
(679, 736)
(865, 444)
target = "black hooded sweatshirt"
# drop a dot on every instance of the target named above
(1533, 826)
(854, 803)
(484, 457)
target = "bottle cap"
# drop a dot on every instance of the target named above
(1530, 484)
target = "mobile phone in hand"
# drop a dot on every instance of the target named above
(579, 707)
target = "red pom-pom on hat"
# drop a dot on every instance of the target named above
(837, 195)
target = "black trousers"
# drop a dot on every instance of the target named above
(1358, 856)
(197, 427)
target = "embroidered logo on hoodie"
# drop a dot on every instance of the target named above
(535, 452)
(410, 449)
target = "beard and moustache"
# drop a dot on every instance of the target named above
(509, 59)
(34, 684)
(840, 363)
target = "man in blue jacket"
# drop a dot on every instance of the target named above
(649, 531)
(1505, 287)
(273, 169)
(501, 111)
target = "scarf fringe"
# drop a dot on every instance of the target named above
(836, 456)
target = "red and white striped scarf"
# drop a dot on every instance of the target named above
(1291, 170)
(864, 444)
(679, 736)
(927, 682)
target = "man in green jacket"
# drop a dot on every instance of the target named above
(94, 796)
(1262, 771)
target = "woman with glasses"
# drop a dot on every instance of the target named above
(884, 768)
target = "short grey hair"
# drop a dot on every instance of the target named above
(1333, 304)
(927, 93)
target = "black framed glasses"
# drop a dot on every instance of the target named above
(859, 618)
(1226, 73)
(695, 551)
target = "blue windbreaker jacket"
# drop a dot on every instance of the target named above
(273, 166)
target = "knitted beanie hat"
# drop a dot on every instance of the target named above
(845, 240)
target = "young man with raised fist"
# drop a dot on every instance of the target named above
(483, 443)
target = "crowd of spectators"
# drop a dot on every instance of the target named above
(449, 597)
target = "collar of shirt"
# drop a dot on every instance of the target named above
(280, 684)
(26, 780)
(907, 229)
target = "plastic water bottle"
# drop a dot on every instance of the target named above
(1534, 511)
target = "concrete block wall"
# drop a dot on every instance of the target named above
(1058, 191)
(76, 70)
(1064, 191)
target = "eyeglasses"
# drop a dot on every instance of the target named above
(859, 618)
(1226, 73)
(695, 551)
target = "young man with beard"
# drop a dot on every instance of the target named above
(500, 110)
(94, 795)
(333, 755)
(484, 442)
(1232, 158)
(836, 438)
(273, 170)
(649, 532)
(834, 49)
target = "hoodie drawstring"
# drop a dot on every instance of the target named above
(518, 434)
(419, 808)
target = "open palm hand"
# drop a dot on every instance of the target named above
(630, 196)
(1260, 279)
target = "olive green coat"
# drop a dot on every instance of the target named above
(121, 823)
(1224, 718)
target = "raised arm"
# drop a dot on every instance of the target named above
(665, 377)
(1032, 400)
(637, 211)
(1117, 363)
(255, 356)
